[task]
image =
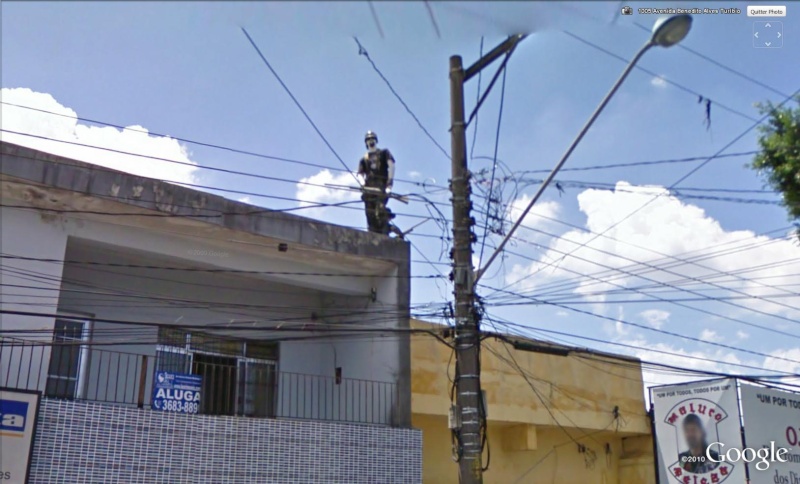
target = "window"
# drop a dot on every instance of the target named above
(68, 358)
(239, 378)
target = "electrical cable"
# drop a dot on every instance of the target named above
(631, 164)
(489, 200)
(668, 81)
(363, 51)
(721, 65)
(680, 180)
(299, 106)
(656, 281)
(660, 331)
(521, 327)
(194, 142)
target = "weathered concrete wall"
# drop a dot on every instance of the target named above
(185, 225)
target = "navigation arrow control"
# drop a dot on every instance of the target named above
(768, 35)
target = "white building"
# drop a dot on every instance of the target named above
(282, 317)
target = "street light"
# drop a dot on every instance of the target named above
(666, 33)
(671, 30)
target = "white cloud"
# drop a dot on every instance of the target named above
(246, 199)
(655, 317)
(742, 335)
(710, 336)
(666, 226)
(67, 128)
(778, 365)
(548, 209)
(414, 175)
(562, 314)
(319, 193)
(658, 82)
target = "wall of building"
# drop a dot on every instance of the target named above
(28, 286)
(122, 285)
(283, 302)
(596, 401)
(556, 459)
(95, 443)
(585, 391)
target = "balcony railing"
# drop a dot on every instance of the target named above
(230, 386)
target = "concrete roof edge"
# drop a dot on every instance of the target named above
(549, 344)
(54, 171)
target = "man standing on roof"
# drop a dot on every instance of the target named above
(377, 168)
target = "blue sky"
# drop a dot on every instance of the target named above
(186, 70)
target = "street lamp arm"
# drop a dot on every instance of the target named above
(484, 61)
(564, 158)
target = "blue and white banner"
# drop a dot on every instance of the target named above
(18, 411)
(176, 392)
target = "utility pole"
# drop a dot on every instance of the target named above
(469, 412)
(468, 385)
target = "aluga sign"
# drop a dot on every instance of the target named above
(177, 392)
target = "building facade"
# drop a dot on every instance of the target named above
(579, 418)
(108, 279)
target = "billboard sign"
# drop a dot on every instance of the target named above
(18, 412)
(772, 416)
(688, 419)
(176, 392)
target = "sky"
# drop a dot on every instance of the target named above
(186, 70)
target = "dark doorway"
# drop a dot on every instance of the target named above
(219, 383)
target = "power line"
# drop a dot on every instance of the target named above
(363, 51)
(680, 180)
(700, 254)
(627, 346)
(652, 329)
(227, 190)
(299, 106)
(496, 147)
(722, 66)
(193, 142)
(637, 246)
(210, 271)
(375, 17)
(629, 164)
(686, 306)
(673, 83)
(477, 99)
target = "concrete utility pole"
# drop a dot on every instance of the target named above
(469, 412)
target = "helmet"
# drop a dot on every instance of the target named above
(370, 135)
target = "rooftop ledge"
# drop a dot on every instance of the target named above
(77, 179)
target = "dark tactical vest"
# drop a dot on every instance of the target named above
(376, 167)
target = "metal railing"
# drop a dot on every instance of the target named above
(230, 385)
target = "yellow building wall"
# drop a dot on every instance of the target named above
(557, 461)
(523, 436)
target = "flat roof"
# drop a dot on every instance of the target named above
(37, 168)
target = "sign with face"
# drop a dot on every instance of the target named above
(695, 423)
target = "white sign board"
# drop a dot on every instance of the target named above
(18, 411)
(772, 416)
(689, 418)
